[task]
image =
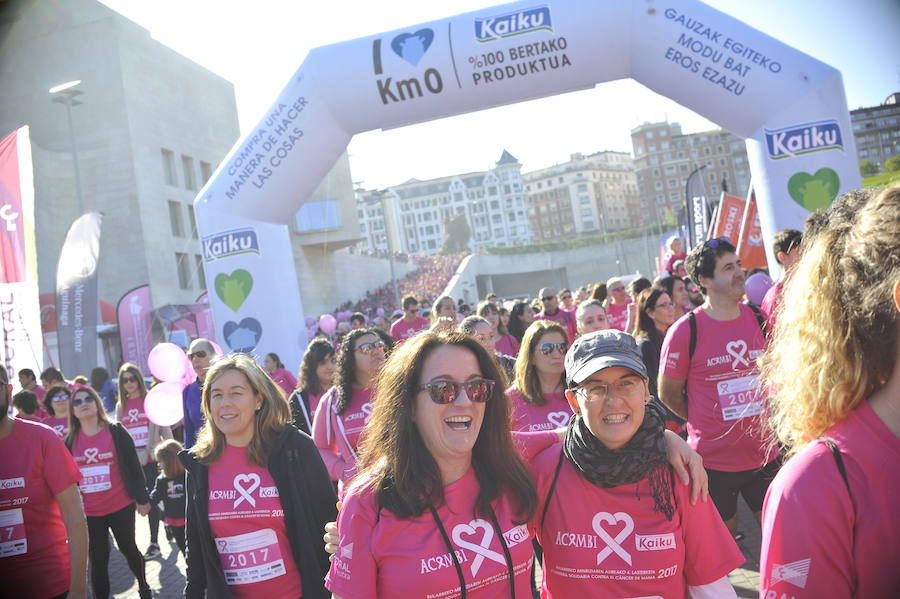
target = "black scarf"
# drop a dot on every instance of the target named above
(644, 456)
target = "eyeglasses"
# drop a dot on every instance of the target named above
(566, 297)
(129, 379)
(64, 397)
(548, 348)
(444, 392)
(715, 243)
(547, 298)
(665, 305)
(197, 354)
(80, 400)
(627, 388)
(371, 348)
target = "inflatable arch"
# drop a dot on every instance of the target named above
(790, 108)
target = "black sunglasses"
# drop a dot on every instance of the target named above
(60, 397)
(444, 392)
(547, 298)
(129, 379)
(80, 400)
(197, 354)
(548, 348)
(715, 243)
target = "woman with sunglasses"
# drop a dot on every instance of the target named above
(344, 410)
(112, 483)
(316, 376)
(504, 343)
(536, 396)
(443, 501)
(257, 493)
(56, 403)
(146, 436)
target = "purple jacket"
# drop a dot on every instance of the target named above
(193, 415)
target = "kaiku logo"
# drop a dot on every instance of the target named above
(514, 23)
(803, 139)
(230, 243)
(12, 483)
(654, 542)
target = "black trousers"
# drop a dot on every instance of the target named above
(178, 533)
(151, 469)
(121, 523)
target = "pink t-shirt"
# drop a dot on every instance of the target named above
(818, 539)
(402, 330)
(528, 417)
(388, 556)
(613, 538)
(135, 420)
(285, 380)
(356, 415)
(726, 412)
(59, 425)
(314, 402)
(507, 345)
(566, 319)
(771, 301)
(247, 520)
(617, 315)
(34, 559)
(101, 484)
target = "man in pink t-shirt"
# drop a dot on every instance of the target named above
(709, 377)
(787, 252)
(411, 323)
(553, 312)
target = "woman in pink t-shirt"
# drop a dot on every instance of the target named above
(316, 376)
(257, 493)
(146, 436)
(112, 483)
(345, 409)
(590, 316)
(536, 396)
(56, 403)
(279, 373)
(830, 526)
(504, 343)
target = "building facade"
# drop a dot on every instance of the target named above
(664, 157)
(411, 217)
(585, 196)
(877, 131)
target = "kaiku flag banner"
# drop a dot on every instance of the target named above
(20, 344)
(135, 326)
(750, 243)
(76, 295)
(790, 107)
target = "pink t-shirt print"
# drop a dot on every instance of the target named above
(337, 435)
(726, 408)
(135, 420)
(101, 484)
(247, 520)
(617, 315)
(528, 417)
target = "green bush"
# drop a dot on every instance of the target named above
(892, 165)
(578, 242)
(867, 169)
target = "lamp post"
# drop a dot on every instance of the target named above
(65, 94)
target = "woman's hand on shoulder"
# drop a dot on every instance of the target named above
(688, 466)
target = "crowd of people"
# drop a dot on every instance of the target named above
(581, 430)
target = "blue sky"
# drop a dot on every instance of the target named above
(259, 48)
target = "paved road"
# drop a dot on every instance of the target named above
(166, 574)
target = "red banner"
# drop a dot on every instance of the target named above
(750, 244)
(728, 221)
(135, 326)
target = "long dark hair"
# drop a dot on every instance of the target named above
(399, 468)
(274, 357)
(516, 326)
(345, 373)
(315, 354)
(644, 327)
(75, 423)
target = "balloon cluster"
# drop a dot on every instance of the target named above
(169, 364)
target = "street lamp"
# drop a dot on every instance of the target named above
(66, 93)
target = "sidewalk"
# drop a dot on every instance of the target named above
(166, 573)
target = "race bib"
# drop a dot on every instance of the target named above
(12, 533)
(95, 479)
(140, 435)
(251, 557)
(739, 398)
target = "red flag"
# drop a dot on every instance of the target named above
(728, 224)
(750, 244)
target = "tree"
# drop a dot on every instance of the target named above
(892, 164)
(457, 234)
(867, 169)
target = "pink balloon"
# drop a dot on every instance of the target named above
(756, 287)
(166, 362)
(163, 404)
(328, 324)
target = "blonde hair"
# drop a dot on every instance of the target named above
(527, 382)
(166, 454)
(269, 420)
(835, 341)
(132, 369)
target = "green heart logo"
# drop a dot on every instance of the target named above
(814, 192)
(233, 289)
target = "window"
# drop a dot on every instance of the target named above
(175, 219)
(201, 275)
(168, 160)
(492, 191)
(193, 220)
(582, 187)
(584, 200)
(316, 216)
(585, 212)
(187, 165)
(649, 135)
(183, 266)
(205, 171)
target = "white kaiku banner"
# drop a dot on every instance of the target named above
(789, 106)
